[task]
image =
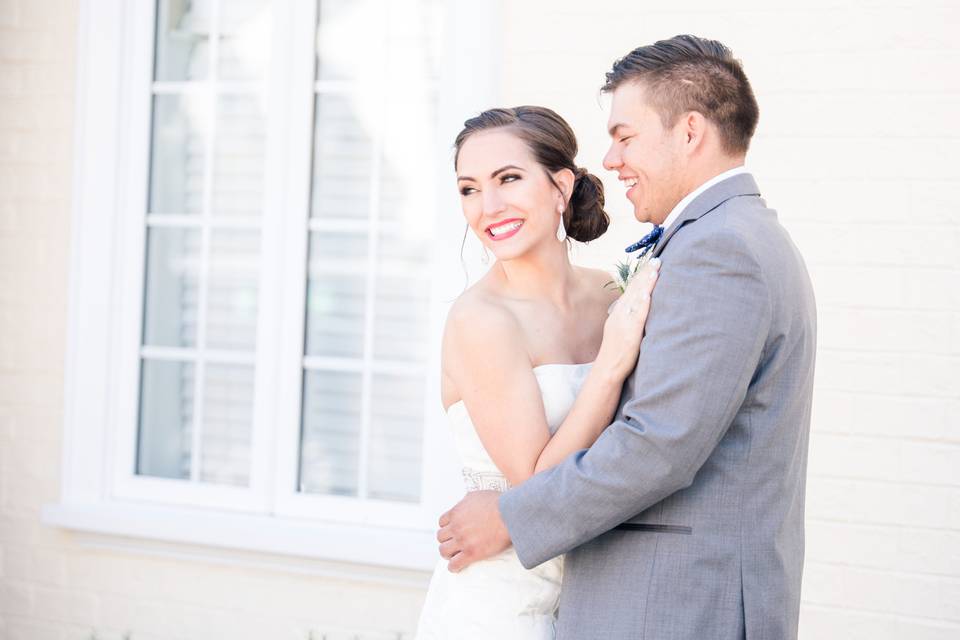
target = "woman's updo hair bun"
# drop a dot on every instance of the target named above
(554, 146)
(585, 218)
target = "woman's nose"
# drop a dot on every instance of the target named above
(492, 202)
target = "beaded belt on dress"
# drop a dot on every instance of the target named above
(484, 480)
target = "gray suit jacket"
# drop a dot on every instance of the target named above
(685, 518)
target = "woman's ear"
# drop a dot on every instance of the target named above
(565, 179)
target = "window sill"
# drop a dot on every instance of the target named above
(377, 554)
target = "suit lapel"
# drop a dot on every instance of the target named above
(741, 184)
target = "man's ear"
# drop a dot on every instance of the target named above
(693, 127)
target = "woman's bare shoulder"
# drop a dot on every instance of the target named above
(598, 284)
(477, 306)
(479, 320)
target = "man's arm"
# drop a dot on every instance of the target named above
(704, 339)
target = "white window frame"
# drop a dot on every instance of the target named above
(100, 494)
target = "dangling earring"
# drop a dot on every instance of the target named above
(561, 230)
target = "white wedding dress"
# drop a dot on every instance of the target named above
(497, 599)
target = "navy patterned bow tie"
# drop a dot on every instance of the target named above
(647, 242)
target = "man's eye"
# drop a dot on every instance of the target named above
(625, 138)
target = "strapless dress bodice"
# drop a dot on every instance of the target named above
(559, 385)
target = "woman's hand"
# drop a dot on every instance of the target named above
(623, 329)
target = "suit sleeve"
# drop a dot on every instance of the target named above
(704, 340)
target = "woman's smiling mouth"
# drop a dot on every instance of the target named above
(505, 229)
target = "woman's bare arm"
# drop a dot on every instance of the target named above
(485, 357)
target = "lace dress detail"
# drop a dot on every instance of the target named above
(484, 480)
(498, 598)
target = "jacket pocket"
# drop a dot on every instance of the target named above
(655, 528)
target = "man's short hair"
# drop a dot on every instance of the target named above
(687, 73)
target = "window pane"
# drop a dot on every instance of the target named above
(396, 438)
(336, 294)
(401, 322)
(183, 38)
(336, 251)
(173, 265)
(404, 251)
(409, 170)
(401, 317)
(238, 166)
(232, 290)
(330, 438)
(342, 160)
(335, 317)
(178, 152)
(227, 424)
(349, 39)
(245, 28)
(414, 45)
(166, 419)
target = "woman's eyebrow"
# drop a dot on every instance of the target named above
(495, 173)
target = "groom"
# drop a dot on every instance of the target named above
(685, 519)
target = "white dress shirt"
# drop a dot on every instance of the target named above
(677, 210)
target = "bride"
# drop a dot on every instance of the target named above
(532, 363)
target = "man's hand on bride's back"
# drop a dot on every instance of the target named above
(472, 530)
(623, 329)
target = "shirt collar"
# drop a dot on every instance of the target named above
(677, 210)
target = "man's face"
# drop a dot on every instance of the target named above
(647, 156)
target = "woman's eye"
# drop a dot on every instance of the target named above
(465, 191)
(510, 177)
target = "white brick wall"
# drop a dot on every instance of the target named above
(856, 150)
